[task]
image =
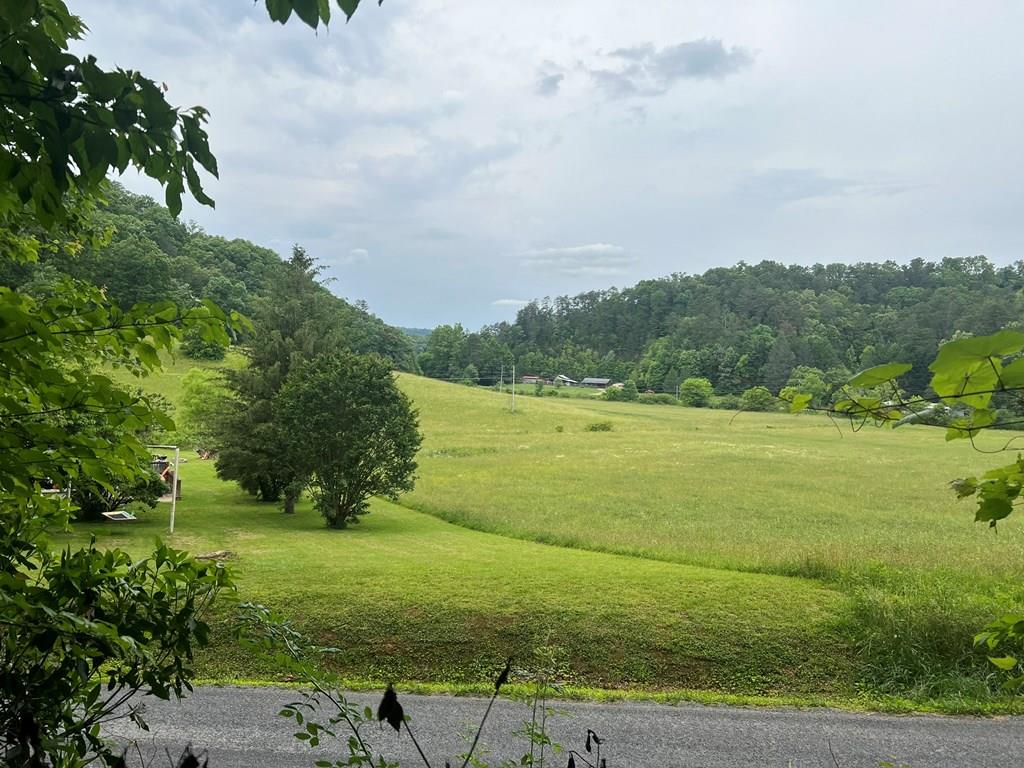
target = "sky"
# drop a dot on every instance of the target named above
(449, 160)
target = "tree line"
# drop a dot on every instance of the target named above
(744, 326)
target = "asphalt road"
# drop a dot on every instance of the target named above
(240, 728)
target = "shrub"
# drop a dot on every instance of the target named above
(726, 402)
(92, 499)
(599, 426)
(661, 398)
(759, 399)
(696, 392)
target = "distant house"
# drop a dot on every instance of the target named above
(591, 381)
(528, 379)
(565, 381)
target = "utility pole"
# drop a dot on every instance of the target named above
(501, 379)
(513, 387)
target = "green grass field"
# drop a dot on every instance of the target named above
(764, 554)
(759, 492)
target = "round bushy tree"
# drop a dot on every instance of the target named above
(758, 399)
(348, 432)
(696, 392)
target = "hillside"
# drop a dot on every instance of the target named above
(153, 256)
(679, 549)
(747, 325)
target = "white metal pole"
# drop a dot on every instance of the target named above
(174, 486)
(513, 387)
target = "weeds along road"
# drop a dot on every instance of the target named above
(241, 729)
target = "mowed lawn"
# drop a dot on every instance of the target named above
(406, 596)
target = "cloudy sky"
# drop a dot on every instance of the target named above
(450, 159)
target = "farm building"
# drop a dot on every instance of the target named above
(562, 380)
(529, 379)
(597, 383)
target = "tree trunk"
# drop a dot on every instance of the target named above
(289, 502)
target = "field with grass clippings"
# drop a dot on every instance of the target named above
(764, 554)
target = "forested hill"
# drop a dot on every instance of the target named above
(154, 256)
(747, 325)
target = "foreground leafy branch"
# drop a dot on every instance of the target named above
(966, 375)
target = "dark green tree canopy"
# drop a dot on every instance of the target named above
(348, 431)
(751, 324)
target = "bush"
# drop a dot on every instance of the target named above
(726, 402)
(599, 426)
(759, 399)
(624, 394)
(92, 499)
(696, 393)
(661, 398)
(198, 348)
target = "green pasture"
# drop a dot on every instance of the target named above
(758, 554)
(407, 596)
(168, 381)
(756, 492)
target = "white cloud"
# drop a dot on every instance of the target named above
(510, 302)
(595, 259)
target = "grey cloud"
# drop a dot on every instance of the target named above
(595, 259)
(548, 85)
(647, 71)
(788, 185)
(549, 78)
(438, 166)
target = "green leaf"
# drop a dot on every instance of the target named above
(980, 348)
(279, 10)
(879, 374)
(1012, 375)
(967, 370)
(799, 403)
(308, 11)
(991, 509)
(969, 426)
(348, 7)
(1005, 663)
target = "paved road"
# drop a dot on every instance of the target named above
(240, 728)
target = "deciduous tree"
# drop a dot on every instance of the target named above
(348, 432)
